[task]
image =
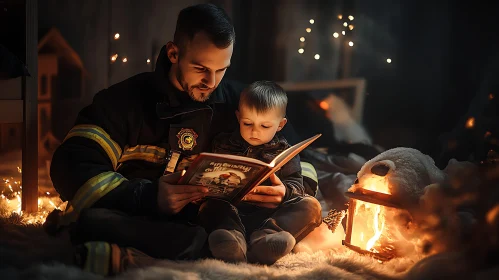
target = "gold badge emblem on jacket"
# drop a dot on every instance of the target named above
(187, 139)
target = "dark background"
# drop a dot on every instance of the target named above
(440, 51)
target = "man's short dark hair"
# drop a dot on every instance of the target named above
(206, 18)
(264, 96)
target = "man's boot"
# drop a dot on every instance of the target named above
(108, 259)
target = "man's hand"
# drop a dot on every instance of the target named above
(172, 198)
(267, 196)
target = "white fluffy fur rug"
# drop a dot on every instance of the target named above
(332, 265)
(22, 246)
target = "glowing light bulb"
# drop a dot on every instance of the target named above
(345, 24)
(308, 30)
(350, 27)
(389, 60)
(470, 123)
(317, 56)
(350, 44)
(116, 36)
(301, 50)
(311, 21)
(336, 35)
(343, 32)
(340, 16)
(302, 39)
(114, 57)
(125, 59)
(148, 61)
(350, 17)
(324, 105)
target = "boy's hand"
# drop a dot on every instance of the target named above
(172, 198)
(267, 196)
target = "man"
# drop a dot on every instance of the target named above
(111, 163)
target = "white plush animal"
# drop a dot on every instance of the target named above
(405, 171)
(418, 186)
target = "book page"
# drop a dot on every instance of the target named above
(292, 151)
(287, 155)
(224, 177)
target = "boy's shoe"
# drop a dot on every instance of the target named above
(228, 245)
(108, 259)
(268, 246)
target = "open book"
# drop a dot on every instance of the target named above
(231, 177)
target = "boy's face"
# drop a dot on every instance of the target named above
(259, 128)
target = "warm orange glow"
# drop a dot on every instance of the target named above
(10, 202)
(368, 226)
(340, 16)
(324, 105)
(369, 221)
(377, 228)
(375, 184)
(470, 123)
(491, 96)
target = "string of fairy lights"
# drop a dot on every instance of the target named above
(347, 27)
(114, 56)
(11, 201)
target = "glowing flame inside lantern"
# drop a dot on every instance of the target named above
(378, 230)
(370, 218)
(376, 184)
(376, 225)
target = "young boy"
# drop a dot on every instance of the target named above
(271, 232)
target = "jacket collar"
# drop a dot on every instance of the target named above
(169, 92)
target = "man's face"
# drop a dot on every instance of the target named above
(201, 66)
(259, 128)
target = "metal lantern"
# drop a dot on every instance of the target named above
(377, 225)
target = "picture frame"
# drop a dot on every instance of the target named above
(351, 90)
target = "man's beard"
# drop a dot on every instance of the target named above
(190, 89)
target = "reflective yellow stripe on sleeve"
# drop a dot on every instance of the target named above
(94, 189)
(144, 152)
(100, 136)
(308, 170)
